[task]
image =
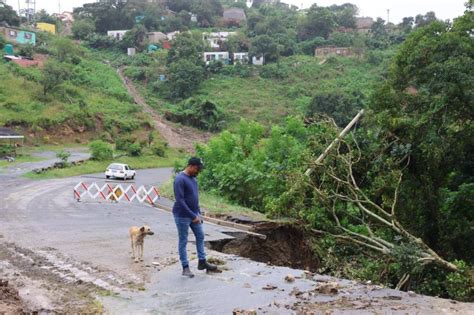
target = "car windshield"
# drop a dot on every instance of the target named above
(115, 167)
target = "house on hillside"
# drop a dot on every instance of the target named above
(364, 24)
(234, 16)
(216, 38)
(66, 16)
(211, 56)
(117, 34)
(332, 51)
(241, 57)
(18, 36)
(172, 35)
(156, 37)
(46, 27)
(258, 60)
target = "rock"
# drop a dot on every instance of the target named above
(238, 311)
(328, 288)
(290, 278)
(269, 287)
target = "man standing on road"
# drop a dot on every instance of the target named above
(187, 214)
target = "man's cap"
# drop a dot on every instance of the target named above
(196, 161)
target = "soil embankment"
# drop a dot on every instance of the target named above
(177, 137)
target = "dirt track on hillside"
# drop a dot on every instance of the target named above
(180, 137)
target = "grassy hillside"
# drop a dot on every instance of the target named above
(269, 93)
(91, 102)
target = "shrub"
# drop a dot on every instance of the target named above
(159, 150)
(135, 149)
(274, 71)
(198, 112)
(64, 156)
(123, 143)
(100, 151)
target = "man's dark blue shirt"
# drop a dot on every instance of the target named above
(187, 196)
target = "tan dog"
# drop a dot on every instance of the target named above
(137, 236)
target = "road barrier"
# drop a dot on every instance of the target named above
(116, 193)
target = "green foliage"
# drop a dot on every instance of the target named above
(43, 16)
(64, 156)
(26, 50)
(135, 149)
(100, 151)
(83, 28)
(319, 21)
(9, 15)
(99, 41)
(207, 11)
(2, 42)
(54, 73)
(249, 169)
(186, 46)
(458, 284)
(134, 38)
(159, 150)
(198, 112)
(339, 105)
(264, 45)
(184, 78)
(427, 103)
(275, 71)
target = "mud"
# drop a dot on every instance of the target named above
(286, 245)
(30, 283)
(176, 136)
(10, 302)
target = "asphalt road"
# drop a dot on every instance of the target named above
(87, 242)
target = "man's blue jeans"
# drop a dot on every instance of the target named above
(183, 225)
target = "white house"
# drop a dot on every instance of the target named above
(258, 61)
(172, 35)
(117, 34)
(216, 56)
(216, 37)
(241, 57)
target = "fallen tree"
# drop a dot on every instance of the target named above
(368, 220)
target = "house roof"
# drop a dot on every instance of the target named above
(234, 14)
(7, 133)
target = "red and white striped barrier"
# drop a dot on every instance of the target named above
(116, 193)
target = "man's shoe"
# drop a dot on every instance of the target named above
(203, 264)
(187, 272)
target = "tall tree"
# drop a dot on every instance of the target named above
(319, 21)
(427, 108)
(9, 15)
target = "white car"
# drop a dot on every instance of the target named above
(119, 170)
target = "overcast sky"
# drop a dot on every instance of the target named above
(444, 9)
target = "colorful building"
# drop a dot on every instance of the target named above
(46, 27)
(18, 36)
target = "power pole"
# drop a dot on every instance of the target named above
(388, 16)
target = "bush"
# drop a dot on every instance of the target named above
(274, 71)
(159, 150)
(2, 42)
(339, 105)
(100, 151)
(135, 149)
(198, 112)
(64, 156)
(123, 143)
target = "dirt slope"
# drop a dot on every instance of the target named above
(177, 136)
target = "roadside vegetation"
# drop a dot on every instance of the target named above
(391, 203)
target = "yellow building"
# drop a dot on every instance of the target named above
(46, 27)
